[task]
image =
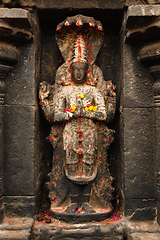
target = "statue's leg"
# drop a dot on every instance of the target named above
(86, 196)
(74, 190)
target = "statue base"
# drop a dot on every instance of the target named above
(58, 230)
(80, 217)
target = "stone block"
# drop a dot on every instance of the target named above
(14, 235)
(20, 85)
(83, 4)
(137, 85)
(15, 206)
(139, 171)
(140, 209)
(144, 236)
(19, 150)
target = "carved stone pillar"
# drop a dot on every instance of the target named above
(19, 139)
(140, 114)
(8, 56)
(155, 70)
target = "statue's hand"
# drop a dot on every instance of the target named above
(110, 89)
(44, 90)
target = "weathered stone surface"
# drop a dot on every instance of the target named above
(143, 10)
(73, 231)
(140, 209)
(138, 82)
(19, 150)
(16, 228)
(83, 4)
(144, 236)
(15, 206)
(20, 86)
(140, 181)
(14, 235)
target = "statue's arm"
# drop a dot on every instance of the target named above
(100, 114)
(110, 99)
(60, 100)
(46, 96)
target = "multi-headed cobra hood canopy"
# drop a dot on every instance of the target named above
(83, 32)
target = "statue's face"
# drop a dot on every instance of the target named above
(79, 72)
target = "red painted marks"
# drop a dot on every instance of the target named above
(88, 47)
(71, 31)
(70, 84)
(89, 71)
(43, 103)
(99, 124)
(95, 82)
(114, 106)
(69, 61)
(70, 81)
(88, 170)
(112, 90)
(90, 126)
(78, 23)
(112, 118)
(91, 144)
(89, 54)
(70, 169)
(109, 84)
(90, 61)
(100, 159)
(67, 123)
(107, 201)
(85, 39)
(57, 127)
(80, 152)
(68, 133)
(53, 180)
(79, 29)
(48, 118)
(71, 49)
(89, 134)
(69, 70)
(100, 28)
(79, 178)
(43, 94)
(53, 200)
(50, 137)
(57, 157)
(80, 174)
(80, 137)
(79, 122)
(100, 180)
(66, 24)
(79, 129)
(79, 35)
(108, 139)
(58, 28)
(89, 29)
(88, 81)
(68, 147)
(73, 41)
(62, 34)
(62, 81)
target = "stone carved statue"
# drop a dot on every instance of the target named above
(79, 105)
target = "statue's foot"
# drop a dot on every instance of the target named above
(87, 208)
(72, 208)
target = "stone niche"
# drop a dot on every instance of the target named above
(129, 57)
